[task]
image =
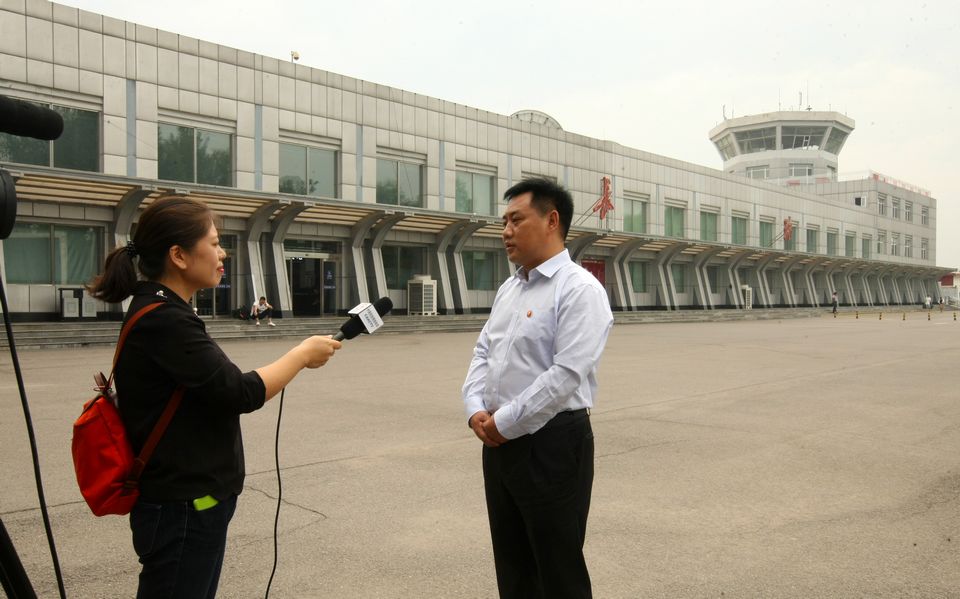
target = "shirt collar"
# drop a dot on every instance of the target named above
(549, 267)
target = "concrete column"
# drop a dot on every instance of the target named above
(667, 288)
(446, 302)
(358, 235)
(257, 224)
(281, 224)
(623, 294)
(379, 236)
(461, 283)
(700, 263)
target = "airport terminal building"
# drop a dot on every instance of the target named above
(335, 190)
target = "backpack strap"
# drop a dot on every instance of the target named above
(161, 426)
(126, 330)
(158, 429)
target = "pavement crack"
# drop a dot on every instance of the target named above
(286, 502)
(633, 449)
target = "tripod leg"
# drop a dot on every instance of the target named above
(12, 575)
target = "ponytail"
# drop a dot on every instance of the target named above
(118, 279)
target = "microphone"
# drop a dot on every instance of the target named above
(25, 119)
(366, 318)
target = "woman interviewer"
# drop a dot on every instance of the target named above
(188, 491)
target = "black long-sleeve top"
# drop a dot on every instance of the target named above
(201, 452)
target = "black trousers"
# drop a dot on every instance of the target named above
(538, 495)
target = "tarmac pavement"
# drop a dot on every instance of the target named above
(800, 458)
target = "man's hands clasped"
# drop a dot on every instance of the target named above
(485, 428)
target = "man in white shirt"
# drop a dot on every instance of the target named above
(262, 309)
(527, 395)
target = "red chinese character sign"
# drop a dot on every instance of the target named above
(605, 203)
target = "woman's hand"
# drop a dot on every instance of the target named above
(317, 350)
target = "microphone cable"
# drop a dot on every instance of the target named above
(276, 518)
(33, 442)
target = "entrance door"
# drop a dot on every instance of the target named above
(216, 301)
(313, 286)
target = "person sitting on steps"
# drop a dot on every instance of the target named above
(260, 310)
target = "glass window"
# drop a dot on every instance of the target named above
(398, 183)
(881, 243)
(78, 147)
(474, 193)
(831, 243)
(757, 140)
(638, 276)
(726, 148)
(766, 234)
(895, 208)
(849, 246)
(479, 269)
(924, 215)
(758, 172)
(213, 158)
(791, 244)
(194, 155)
(308, 171)
(835, 141)
(865, 244)
(293, 169)
(708, 226)
(924, 248)
(673, 222)
(738, 230)
(37, 253)
(400, 263)
(801, 169)
(635, 216)
(808, 138)
(908, 211)
(813, 241)
(679, 271)
(908, 246)
(881, 204)
(895, 244)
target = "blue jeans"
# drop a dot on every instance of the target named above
(181, 549)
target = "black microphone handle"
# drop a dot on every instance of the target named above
(339, 336)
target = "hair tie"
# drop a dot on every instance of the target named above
(131, 249)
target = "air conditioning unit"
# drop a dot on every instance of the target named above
(747, 296)
(421, 296)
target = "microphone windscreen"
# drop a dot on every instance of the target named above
(25, 119)
(352, 327)
(383, 305)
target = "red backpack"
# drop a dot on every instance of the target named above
(107, 472)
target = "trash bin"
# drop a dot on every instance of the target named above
(70, 303)
(88, 305)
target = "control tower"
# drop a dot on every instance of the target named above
(787, 147)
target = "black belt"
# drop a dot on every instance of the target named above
(566, 417)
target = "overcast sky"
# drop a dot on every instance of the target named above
(650, 75)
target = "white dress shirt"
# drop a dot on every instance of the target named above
(537, 355)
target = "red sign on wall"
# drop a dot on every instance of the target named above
(597, 268)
